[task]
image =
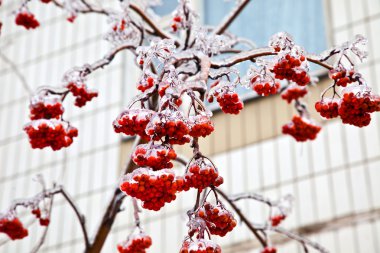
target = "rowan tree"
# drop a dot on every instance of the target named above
(183, 67)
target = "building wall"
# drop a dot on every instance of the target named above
(333, 179)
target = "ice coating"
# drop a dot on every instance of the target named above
(154, 156)
(200, 246)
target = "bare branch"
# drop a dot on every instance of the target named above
(231, 17)
(15, 69)
(80, 216)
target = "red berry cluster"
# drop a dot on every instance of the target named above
(290, 68)
(200, 246)
(355, 108)
(135, 244)
(218, 220)
(202, 174)
(81, 93)
(155, 156)
(277, 219)
(171, 125)
(301, 129)
(133, 122)
(200, 125)
(27, 20)
(120, 25)
(327, 108)
(50, 133)
(45, 1)
(44, 221)
(154, 188)
(269, 250)
(177, 23)
(266, 88)
(146, 84)
(342, 76)
(45, 108)
(228, 100)
(293, 92)
(13, 228)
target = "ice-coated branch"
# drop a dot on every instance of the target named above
(302, 240)
(260, 52)
(156, 30)
(231, 17)
(253, 196)
(243, 218)
(89, 8)
(46, 229)
(80, 216)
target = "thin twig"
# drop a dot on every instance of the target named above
(44, 234)
(15, 69)
(256, 53)
(231, 17)
(80, 216)
(157, 31)
(302, 240)
(243, 217)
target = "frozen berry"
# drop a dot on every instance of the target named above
(13, 228)
(27, 20)
(301, 129)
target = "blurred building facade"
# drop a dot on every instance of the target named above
(333, 179)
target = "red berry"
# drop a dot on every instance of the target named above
(135, 244)
(218, 220)
(50, 133)
(27, 20)
(177, 19)
(202, 174)
(269, 250)
(45, 1)
(293, 92)
(37, 213)
(81, 93)
(71, 18)
(301, 129)
(133, 122)
(155, 156)
(146, 84)
(277, 219)
(13, 228)
(44, 222)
